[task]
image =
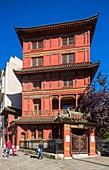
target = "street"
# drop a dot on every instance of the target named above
(25, 162)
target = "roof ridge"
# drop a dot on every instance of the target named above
(44, 25)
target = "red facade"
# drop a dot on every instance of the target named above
(56, 71)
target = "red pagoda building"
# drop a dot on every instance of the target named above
(56, 71)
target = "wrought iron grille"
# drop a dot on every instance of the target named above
(51, 146)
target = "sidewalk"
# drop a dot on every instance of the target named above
(24, 162)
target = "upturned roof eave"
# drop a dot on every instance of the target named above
(60, 23)
(10, 110)
(54, 29)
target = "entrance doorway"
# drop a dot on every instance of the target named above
(79, 141)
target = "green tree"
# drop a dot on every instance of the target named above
(96, 101)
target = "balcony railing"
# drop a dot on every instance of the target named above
(45, 112)
(37, 113)
(40, 112)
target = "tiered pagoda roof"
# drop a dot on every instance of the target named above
(71, 66)
(25, 34)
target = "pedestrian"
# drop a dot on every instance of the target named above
(8, 146)
(40, 150)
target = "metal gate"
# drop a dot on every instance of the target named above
(79, 143)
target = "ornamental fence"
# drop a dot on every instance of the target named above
(57, 145)
(52, 146)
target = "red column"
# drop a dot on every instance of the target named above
(36, 134)
(85, 56)
(76, 100)
(67, 141)
(46, 133)
(18, 137)
(59, 58)
(50, 104)
(88, 38)
(59, 102)
(28, 105)
(85, 38)
(92, 144)
(28, 134)
(43, 106)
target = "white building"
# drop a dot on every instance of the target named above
(1, 105)
(10, 87)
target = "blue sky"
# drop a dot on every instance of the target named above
(26, 13)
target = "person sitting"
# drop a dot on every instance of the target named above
(5, 154)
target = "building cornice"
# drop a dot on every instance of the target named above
(54, 52)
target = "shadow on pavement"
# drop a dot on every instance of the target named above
(33, 156)
(93, 162)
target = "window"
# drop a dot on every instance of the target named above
(64, 41)
(34, 46)
(71, 40)
(68, 58)
(37, 84)
(67, 83)
(37, 61)
(64, 58)
(67, 41)
(40, 44)
(37, 106)
(37, 45)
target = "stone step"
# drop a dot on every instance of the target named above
(78, 156)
